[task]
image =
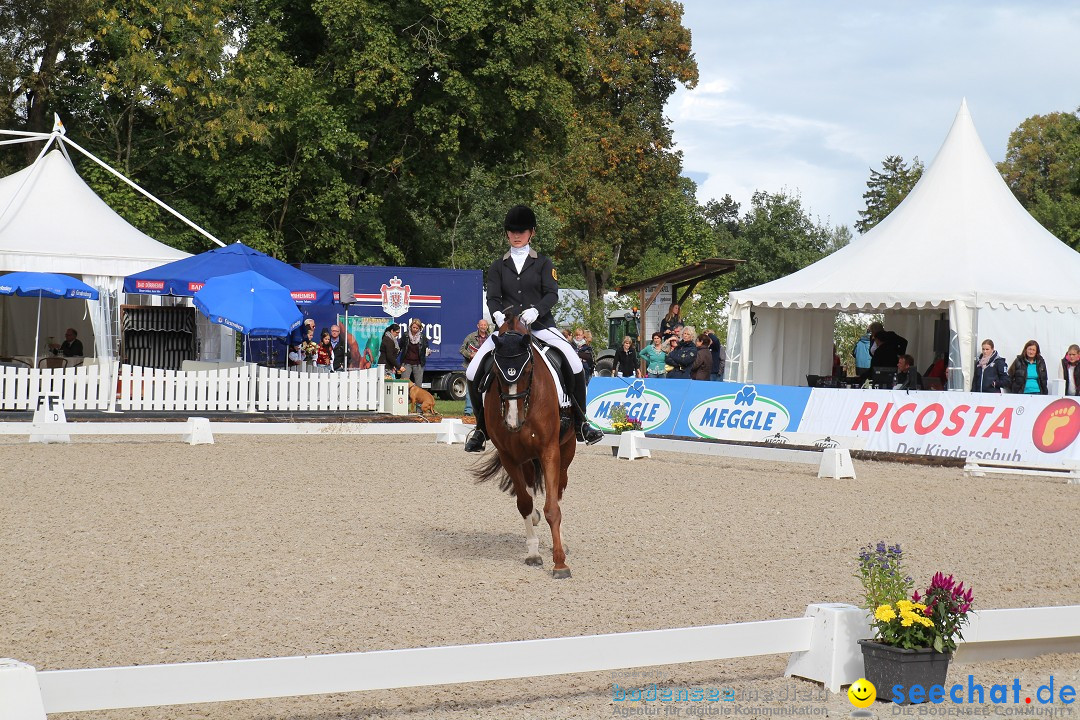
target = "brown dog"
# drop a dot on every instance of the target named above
(418, 395)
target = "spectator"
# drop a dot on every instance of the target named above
(719, 357)
(324, 353)
(388, 349)
(71, 347)
(683, 355)
(1028, 371)
(701, 368)
(907, 377)
(672, 323)
(338, 346)
(626, 360)
(655, 357)
(584, 351)
(414, 352)
(991, 374)
(308, 348)
(1069, 371)
(468, 349)
(861, 351)
(887, 348)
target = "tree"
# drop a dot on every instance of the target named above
(619, 167)
(1042, 167)
(887, 189)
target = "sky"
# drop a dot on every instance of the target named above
(807, 96)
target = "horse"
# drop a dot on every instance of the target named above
(533, 447)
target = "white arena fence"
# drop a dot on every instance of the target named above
(822, 646)
(248, 388)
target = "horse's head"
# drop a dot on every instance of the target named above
(513, 324)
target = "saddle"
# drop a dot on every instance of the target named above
(510, 367)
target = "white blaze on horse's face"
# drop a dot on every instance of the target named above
(513, 417)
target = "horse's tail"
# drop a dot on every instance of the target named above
(490, 467)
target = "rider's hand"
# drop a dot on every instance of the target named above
(499, 318)
(529, 316)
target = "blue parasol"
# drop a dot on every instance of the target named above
(50, 285)
(186, 277)
(249, 303)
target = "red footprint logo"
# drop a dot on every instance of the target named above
(1057, 426)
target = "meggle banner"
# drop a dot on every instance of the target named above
(720, 411)
(656, 403)
(985, 426)
(696, 408)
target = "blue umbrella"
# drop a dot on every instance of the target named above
(249, 303)
(50, 285)
(186, 277)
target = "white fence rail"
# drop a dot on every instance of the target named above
(87, 387)
(822, 647)
(248, 388)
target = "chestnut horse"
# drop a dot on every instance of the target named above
(532, 448)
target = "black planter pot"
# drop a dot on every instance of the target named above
(886, 666)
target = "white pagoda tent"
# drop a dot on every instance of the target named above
(51, 221)
(959, 260)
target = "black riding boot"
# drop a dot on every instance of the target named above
(477, 438)
(586, 433)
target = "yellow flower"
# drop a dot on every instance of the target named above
(904, 605)
(907, 621)
(885, 613)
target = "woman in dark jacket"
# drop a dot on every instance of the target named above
(626, 360)
(388, 349)
(1070, 370)
(702, 367)
(991, 374)
(670, 324)
(1028, 371)
(683, 355)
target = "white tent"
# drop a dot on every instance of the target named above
(51, 221)
(959, 248)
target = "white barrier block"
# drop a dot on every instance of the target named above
(49, 415)
(630, 446)
(834, 658)
(20, 696)
(452, 430)
(836, 463)
(198, 431)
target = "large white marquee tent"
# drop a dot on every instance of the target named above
(959, 248)
(51, 221)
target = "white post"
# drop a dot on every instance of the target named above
(198, 431)
(835, 657)
(836, 463)
(20, 696)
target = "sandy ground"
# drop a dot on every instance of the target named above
(118, 552)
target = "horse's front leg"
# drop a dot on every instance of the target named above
(549, 460)
(530, 515)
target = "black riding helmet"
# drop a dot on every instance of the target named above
(519, 219)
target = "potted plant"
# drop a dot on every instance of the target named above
(621, 422)
(914, 636)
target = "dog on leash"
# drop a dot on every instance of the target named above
(420, 396)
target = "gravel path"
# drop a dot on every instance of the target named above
(117, 551)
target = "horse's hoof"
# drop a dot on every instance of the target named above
(535, 561)
(560, 573)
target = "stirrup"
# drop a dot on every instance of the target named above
(588, 434)
(475, 441)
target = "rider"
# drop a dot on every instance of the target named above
(525, 280)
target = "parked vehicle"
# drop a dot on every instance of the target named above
(447, 302)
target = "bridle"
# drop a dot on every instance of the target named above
(511, 371)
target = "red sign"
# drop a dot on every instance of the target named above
(195, 286)
(963, 420)
(149, 284)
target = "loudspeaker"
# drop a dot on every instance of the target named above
(345, 289)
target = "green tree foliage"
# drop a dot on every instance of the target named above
(887, 189)
(619, 168)
(1042, 167)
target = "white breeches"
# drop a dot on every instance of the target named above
(551, 336)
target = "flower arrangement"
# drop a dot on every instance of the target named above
(309, 348)
(931, 620)
(621, 422)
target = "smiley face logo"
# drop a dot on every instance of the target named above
(862, 693)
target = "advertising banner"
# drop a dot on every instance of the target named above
(656, 403)
(734, 411)
(984, 426)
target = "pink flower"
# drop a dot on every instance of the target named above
(915, 596)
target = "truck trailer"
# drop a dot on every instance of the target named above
(448, 302)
